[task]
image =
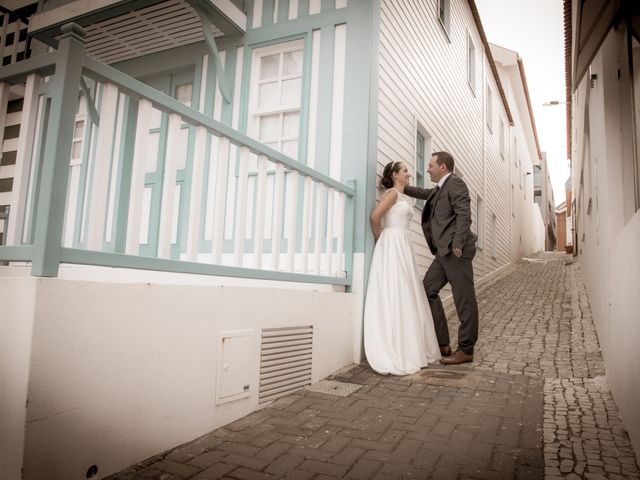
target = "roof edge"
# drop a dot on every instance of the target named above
(529, 107)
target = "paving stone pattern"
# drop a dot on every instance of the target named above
(533, 405)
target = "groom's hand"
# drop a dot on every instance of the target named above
(457, 252)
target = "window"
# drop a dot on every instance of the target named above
(443, 14)
(489, 109)
(4, 223)
(78, 140)
(276, 88)
(501, 140)
(480, 221)
(494, 222)
(471, 63)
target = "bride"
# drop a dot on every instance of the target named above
(399, 335)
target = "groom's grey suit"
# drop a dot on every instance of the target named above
(446, 222)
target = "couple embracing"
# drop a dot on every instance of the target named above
(402, 335)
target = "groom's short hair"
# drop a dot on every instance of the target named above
(446, 158)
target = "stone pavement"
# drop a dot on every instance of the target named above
(533, 405)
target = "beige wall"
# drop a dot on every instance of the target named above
(120, 372)
(17, 297)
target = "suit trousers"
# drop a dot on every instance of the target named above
(459, 273)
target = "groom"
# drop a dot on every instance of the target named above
(446, 222)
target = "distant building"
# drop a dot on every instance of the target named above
(543, 196)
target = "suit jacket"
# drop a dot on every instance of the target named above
(446, 217)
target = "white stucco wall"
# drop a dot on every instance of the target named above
(16, 324)
(120, 372)
(608, 231)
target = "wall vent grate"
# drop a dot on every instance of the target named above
(285, 361)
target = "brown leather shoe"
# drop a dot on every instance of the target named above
(457, 358)
(445, 351)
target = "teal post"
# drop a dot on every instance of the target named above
(57, 152)
(349, 226)
(123, 193)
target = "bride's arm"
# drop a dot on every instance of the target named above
(387, 201)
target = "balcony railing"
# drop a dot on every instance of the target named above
(222, 204)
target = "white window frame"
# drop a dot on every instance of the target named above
(489, 108)
(444, 14)
(480, 221)
(494, 235)
(471, 63)
(501, 138)
(254, 112)
(421, 177)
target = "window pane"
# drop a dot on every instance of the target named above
(269, 66)
(183, 140)
(151, 163)
(76, 150)
(156, 118)
(290, 124)
(269, 127)
(183, 93)
(77, 131)
(290, 149)
(268, 95)
(291, 90)
(292, 63)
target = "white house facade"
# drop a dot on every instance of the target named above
(187, 231)
(528, 233)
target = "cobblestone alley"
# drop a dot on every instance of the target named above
(533, 405)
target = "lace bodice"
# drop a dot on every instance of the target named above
(399, 215)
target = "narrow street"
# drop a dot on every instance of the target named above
(533, 405)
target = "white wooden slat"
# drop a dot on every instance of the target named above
(137, 177)
(219, 204)
(257, 13)
(306, 220)
(241, 206)
(35, 153)
(203, 81)
(23, 168)
(261, 200)
(4, 100)
(99, 187)
(293, 9)
(342, 202)
(195, 203)
(171, 161)
(319, 226)
(114, 170)
(276, 230)
(293, 225)
(329, 237)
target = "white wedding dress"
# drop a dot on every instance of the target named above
(399, 336)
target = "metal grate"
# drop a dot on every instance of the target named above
(152, 29)
(285, 360)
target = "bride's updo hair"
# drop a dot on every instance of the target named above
(387, 174)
